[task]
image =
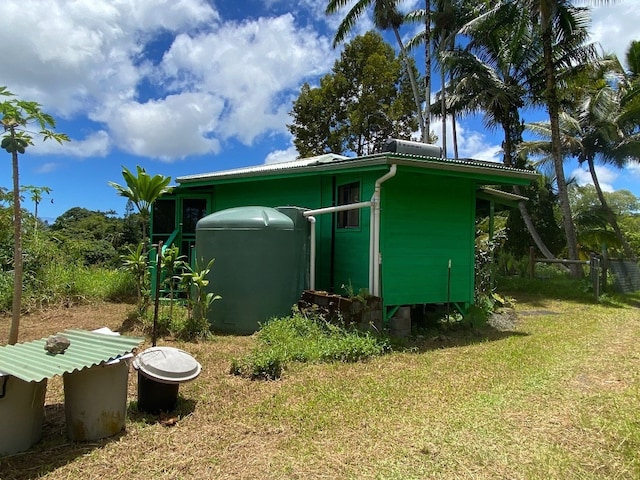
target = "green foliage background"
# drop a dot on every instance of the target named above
(74, 260)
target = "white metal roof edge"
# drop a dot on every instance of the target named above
(504, 195)
(266, 167)
(329, 160)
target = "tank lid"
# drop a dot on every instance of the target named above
(167, 365)
(254, 217)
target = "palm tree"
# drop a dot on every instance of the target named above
(493, 73)
(424, 37)
(447, 20)
(15, 117)
(385, 16)
(560, 24)
(633, 59)
(36, 197)
(596, 127)
(142, 189)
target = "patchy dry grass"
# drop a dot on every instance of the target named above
(556, 397)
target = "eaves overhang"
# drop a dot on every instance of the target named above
(329, 162)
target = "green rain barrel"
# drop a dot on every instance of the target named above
(261, 264)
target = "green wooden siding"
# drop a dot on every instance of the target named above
(427, 221)
(299, 192)
(351, 262)
(308, 192)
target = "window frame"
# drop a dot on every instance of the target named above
(346, 194)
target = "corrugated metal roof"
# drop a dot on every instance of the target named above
(330, 161)
(267, 167)
(30, 362)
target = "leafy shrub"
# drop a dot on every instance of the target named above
(173, 320)
(6, 291)
(302, 338)
(266, 364)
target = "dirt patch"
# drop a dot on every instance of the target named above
(503, 320)
(87, 317)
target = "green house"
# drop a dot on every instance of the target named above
(401, 226)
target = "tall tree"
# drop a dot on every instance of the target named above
(16, 116)
(142, 189)
(563, 30)
(633, 59)
(364, 101)
(36, 197)
(385, 16)
(494, 71)
(448, 18)
(595, 126)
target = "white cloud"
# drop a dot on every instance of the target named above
(615, 25)
(606, 177)
(216, 80)
(279, 156)
(633, 168)
(73, 56)
(174, 127)
(47, 167)
(254, 67)
(96, 144)
(471, 143)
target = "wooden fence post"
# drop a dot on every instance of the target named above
(532, 263)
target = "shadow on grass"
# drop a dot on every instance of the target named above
(452, 338)
(184, 407)
(53, 451)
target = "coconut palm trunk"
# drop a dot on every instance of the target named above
(611, 218)
(454, 133)
(553, 108)
(508, 150)
(427, 71)
(412, 79)
(443, 106)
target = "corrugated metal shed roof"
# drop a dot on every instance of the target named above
(30, 362)
(333, 161)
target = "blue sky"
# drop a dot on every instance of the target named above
(191, 86)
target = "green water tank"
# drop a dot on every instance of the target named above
(261, 264)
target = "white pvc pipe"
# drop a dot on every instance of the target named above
(338, 208)
(312, 254)
(374, 232)
(309, 214)
(376, 259)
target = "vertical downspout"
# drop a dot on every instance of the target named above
(312, 254)
(375, 259)
(332, 253)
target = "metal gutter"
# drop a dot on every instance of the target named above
(488, 193)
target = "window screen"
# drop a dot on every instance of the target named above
(347, 194)
(164, 216)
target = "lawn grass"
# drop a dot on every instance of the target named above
(555, 397)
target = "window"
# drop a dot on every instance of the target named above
(347, 194)
(164, 216)
(193, 209)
